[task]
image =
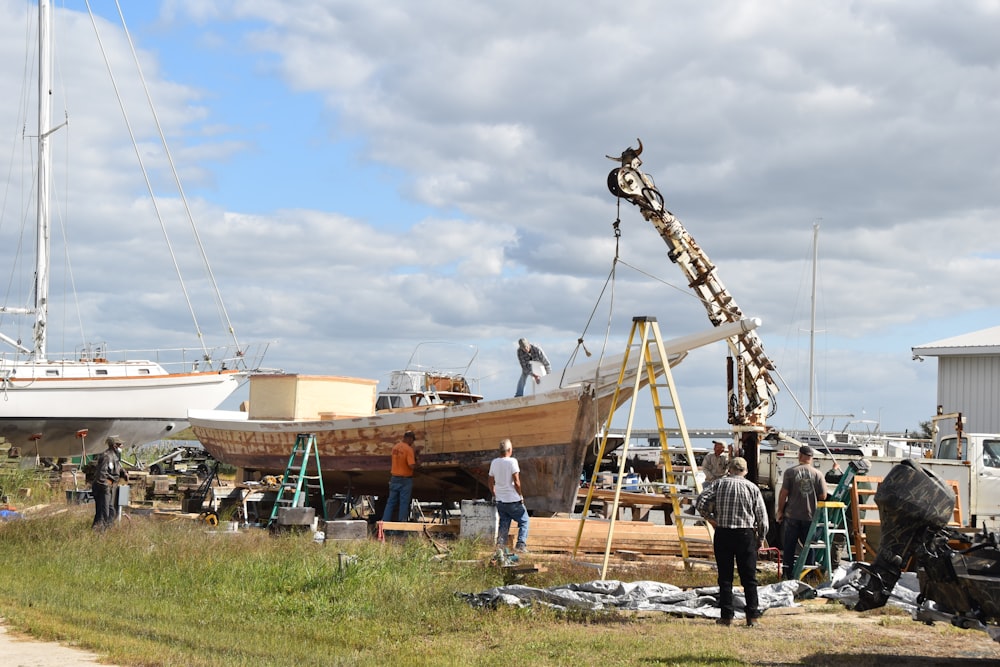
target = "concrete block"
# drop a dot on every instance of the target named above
(479, 520)
(296, 516)
(346, 530)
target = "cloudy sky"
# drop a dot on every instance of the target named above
(368, 176)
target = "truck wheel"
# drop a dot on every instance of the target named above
(155, 469)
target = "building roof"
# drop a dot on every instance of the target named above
(982, 342)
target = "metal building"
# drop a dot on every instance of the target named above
(969, 377)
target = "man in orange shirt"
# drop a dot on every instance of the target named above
(404, 460)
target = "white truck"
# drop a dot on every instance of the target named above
(974, 466)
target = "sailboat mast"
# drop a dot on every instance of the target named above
(44, 176)
(812, 323)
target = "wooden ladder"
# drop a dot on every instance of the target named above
(646, 344)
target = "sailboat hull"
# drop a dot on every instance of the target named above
(551, 433)
(46, 417)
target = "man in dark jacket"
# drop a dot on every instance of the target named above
(106, 474)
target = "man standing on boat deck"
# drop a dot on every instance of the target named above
(404, 461)
(505, 485)
(735, 507)
(801, 488)
(106, 474)
(716, 463)
(526, 353)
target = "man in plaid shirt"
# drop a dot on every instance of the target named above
(526, 353)
(735, 507)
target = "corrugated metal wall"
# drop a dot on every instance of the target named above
(971, 385)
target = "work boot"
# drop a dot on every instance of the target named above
(724, 621)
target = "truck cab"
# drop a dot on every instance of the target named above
(981, 452)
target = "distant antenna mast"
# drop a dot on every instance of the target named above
(812, 323)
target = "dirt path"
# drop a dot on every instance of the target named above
(21, 651)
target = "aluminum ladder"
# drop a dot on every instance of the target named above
(651, 368)
(298, 480)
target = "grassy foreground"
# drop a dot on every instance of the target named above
(173, 593)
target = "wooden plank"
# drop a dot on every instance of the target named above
(420, 527)
(559, 534)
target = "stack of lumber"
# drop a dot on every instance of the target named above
(558, 535)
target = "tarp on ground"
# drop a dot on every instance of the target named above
(613, 595)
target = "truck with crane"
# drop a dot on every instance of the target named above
(971, 460)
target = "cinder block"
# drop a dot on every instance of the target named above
(296, 516)
(479, 520)
(346, 530)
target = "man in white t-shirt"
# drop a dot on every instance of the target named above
(505, 485)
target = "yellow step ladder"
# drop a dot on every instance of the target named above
(646, 357)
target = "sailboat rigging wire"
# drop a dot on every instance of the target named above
(145, 176)
(217, 293)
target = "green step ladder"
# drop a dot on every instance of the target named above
(298, 480)
(829, 522)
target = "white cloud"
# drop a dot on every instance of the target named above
(489, 218)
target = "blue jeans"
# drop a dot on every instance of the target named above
(400, 492)
(508, 512)
(794, 531)
(520, 384)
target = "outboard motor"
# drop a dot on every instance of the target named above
(913, 503)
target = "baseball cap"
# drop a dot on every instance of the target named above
(738, 464)
(806, 450)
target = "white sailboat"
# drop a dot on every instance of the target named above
(52, 405)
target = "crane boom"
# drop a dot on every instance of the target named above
(752, 390)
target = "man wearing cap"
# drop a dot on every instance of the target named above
(735, 507)
(801, 488)
(716, 463)
(526, 353)
(505, 485)
(404, 461)
(107, 472)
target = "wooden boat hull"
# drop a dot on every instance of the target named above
(551, 433)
